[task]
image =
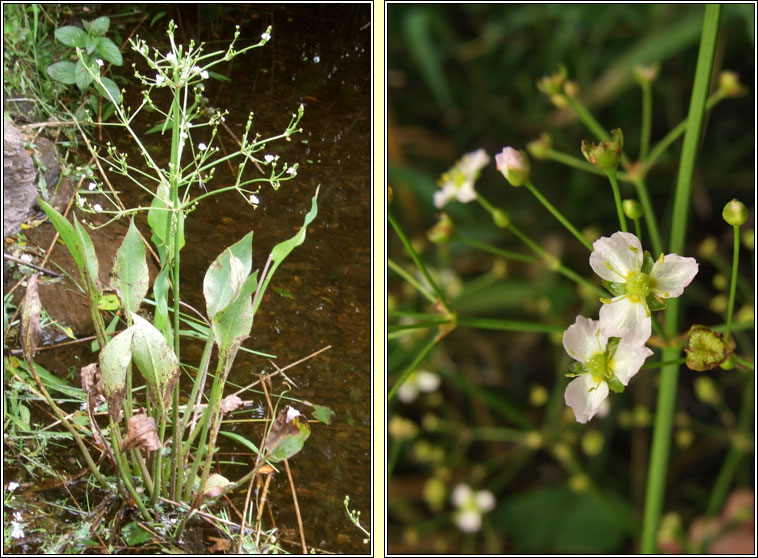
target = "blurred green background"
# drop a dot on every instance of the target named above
(461, 77)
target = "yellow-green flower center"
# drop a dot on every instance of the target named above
(599, 367)
(638, 285)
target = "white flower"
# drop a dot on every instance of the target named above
(99, 62)
(204, 74)
(292, 171)
(13, 485)
(171, 57)
(201, 146)
(97, 207)
(471, 506)
(316, 59)
(254, 199)
(159, 79)
(79, 200)
(266, 36)
(602, 365)
(17, 531)
(637, 282)
(458, 182)
(268, 158)
(91, 186)
(418, 381)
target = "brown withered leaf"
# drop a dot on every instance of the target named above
(231, 403)
(141, 433)
(219, 545)
(30, 327)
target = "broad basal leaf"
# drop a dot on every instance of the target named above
(114, 362)
(232, 325)
(155, 359)
(30, 326)
(130, 277)
(224, 278)
(287, 435)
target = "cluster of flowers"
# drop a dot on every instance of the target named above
(609, 351)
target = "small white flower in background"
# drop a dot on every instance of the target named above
(266, 36)
(13, 485)
(204, 74)
(159, 79)
(99, 62)
(514, 166)
(458, 182)
(316, 59)
(602, 365)
(97, 207)
(254, 200)
(79, 201)
(26, 258)
(471, 506)
(17, 532)
(419, 381)
(292, 171)
(268, 158)
(201, 146)
(637, 282)
(91, 186)
(171, 56)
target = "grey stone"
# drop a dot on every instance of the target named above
(19, 180)
(48, 156)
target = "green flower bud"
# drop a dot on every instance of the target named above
(539, 148)
(729, 84)
(514, 165)
(501, 218)
(553, 85)
(735, 213)
(632, 209)
(748, 239)
(607, 154)
(443, 231)
(646, 74)
(706, 349)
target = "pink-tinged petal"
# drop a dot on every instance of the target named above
(628, 359)
(673, 274)
(466, 192)
(627, 319)
(584, 400)
(613, 258)
(580, 339)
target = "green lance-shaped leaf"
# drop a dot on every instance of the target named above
(232, 325)
(71, 36)
(68, 234)
(227, 273)
(91, 265)
(283, 249)
(114, 364)
(287, 435)
(155, 359)
(109, 51)
(130, 277)
(160, 217)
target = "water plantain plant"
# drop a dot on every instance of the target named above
(159, 450)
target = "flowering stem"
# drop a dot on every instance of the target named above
(667, 390)
(733, 285)
(587, 119)
(419, 358)
(411, 280)
(647, 111)
(663, 363)
(557, 214)
(617, 199)
(531, 259)
(418, 261)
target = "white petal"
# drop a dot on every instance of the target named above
(628, 359)
(673, 274)
(624, 318)
(466, 192)
(461, 494)
(407, 393)
(584, 400)
(427, 381)
(485, 500)
(622, 252)
(469, 521)
(581, 340)
(441, 197)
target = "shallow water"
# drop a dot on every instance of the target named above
(318, 56)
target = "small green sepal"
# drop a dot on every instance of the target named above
(610, 348)
(655, 302)
(615, 384)
(647, 263)
(616, 289)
